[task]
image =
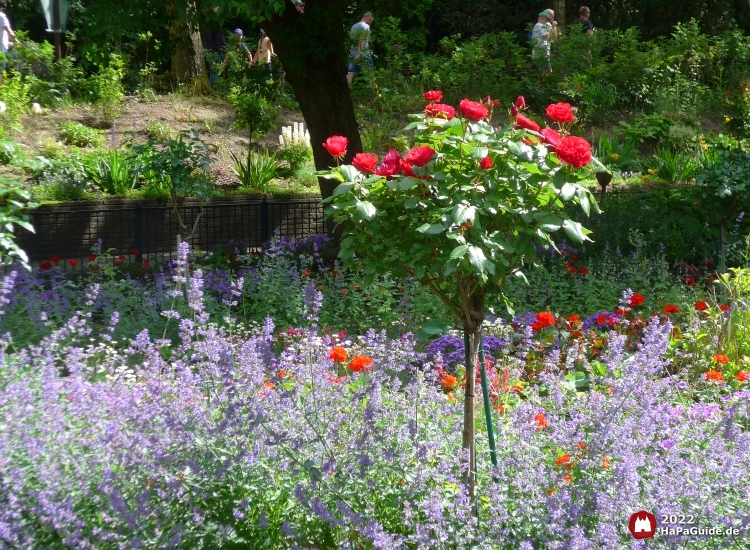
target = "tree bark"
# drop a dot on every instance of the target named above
(559, 7)
(312, 48)
(188, 60)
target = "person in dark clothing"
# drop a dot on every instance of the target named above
(583, 21)
(214, 42)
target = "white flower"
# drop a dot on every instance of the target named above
(3, 108)
(36, 109)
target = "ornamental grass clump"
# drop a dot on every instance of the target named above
(463, 210)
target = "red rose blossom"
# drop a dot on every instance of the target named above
(551, 137)
(574, 151)
(472, 110)
(336, 145)
(92, 258)
(406, 169)
(54, 259)
(520, 102)
(134, 251)
(45, 265)
(526, 123)
(365, 162)
(121, 257)
(391, 164)
(560, 112)
(584, 271)
(485, 163)
(439, 110)
(73, 262)
(419, 156)
(433, 96)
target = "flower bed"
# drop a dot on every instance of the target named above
(242, 436)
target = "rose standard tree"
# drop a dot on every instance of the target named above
(463, 210)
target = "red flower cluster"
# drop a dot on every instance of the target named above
(338, 354)
(447, 381)
(526, 123)
(433, 96)
(361, 363)
(419, 156)
(574, 151)
(636, 300)
(472, 110)
(551, 138)
(336, 145)
(544, 319)
(439, 110)
(701, 306)
(560, 112)
(714, 375)
(669, 309)
(541, 421)
(390, 166)
(719, 358)
(365, 162)
(743, 376)
(45, 265)
(485, 163)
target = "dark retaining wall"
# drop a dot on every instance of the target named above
(70, 230)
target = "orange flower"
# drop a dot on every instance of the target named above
(701, 306)
(552, 491)
(499, 408)
(605, 461)
(581, 446)
(721, 358)
(338, 354)
(743, 376)
(574, 320)
(568, 479)
(448, 381)
(714, 375)
(451, 397)
(345, 292)
(564, 459)
(541, 421)
(361, 362)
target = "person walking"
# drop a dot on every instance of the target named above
(360, 56)
(264, 52)
(540, 38)
(240, 44)
(7, 32)
(584, 21)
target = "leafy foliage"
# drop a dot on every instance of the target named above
(13, 199)
(257, 171)
(75, 133)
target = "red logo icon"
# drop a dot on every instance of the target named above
(642, 525)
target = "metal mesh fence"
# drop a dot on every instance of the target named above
(151, 231)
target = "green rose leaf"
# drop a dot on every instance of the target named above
(343, 188)
(477, 258)
(568, 191)
(463, 213)
(407, 183)
(431, 229)
(366, 210)
(459, 251)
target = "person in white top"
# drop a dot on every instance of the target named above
(7, 32)
(540, 36)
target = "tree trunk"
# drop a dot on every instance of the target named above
(188, 61)
(312, 48)
(559, 8)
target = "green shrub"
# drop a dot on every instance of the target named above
(296, 155)
(11, 152)
(75, 133)
(158, 131)
(66, 178)
(107, 84)
(14, 92)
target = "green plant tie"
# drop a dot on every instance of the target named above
(487, 408)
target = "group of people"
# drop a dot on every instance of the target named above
(214, 41)
(545, 32)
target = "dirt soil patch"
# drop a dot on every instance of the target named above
(211, 118)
